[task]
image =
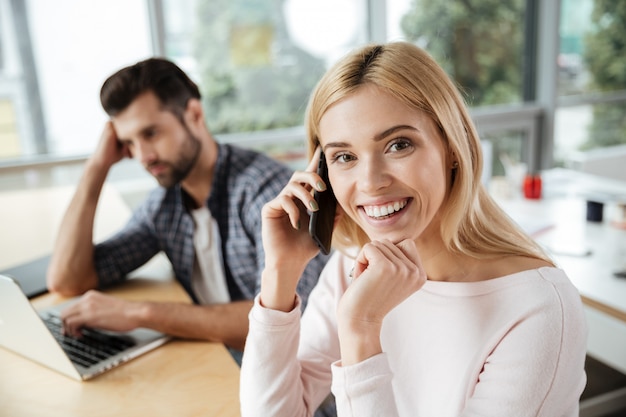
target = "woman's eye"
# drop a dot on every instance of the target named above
(399, 145)
(343, 158)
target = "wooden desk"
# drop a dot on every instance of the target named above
(181, 378)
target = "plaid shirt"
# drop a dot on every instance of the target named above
(243, 182)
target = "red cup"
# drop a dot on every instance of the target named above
(532, 187)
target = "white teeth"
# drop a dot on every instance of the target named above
(382, 211)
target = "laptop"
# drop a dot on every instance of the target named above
(30, 275)
(38, 336)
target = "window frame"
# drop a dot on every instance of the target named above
(535, 117)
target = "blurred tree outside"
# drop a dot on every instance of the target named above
(605, 57)
(480, 44)
(252, 76)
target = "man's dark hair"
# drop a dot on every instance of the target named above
(164, 78)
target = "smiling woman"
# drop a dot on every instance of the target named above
(373, 167)
(425, 263)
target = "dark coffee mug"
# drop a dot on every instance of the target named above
(594, 211)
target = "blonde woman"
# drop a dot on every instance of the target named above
(435, 304)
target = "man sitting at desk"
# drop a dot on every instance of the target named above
(206, 216)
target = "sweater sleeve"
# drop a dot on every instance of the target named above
(270, 374)
(364, 389)
(286, 372)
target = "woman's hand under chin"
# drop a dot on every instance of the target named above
(385, 274)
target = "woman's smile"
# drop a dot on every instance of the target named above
(383, 211)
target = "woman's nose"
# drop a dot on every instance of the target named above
(373, 175)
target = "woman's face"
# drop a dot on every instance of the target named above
(387, 165)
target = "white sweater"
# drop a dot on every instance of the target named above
(505, 347)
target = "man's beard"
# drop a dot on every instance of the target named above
(185, 161)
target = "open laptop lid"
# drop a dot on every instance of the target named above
(30, 275)
(23, 332)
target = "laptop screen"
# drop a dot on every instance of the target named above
(31, 276)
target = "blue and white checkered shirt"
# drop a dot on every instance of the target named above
(243, 182)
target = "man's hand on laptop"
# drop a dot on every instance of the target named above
(100, 311)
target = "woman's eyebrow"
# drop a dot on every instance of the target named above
(336, 145)
(382, 135)
(377, 138)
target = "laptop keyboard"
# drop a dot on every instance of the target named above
(92, 347)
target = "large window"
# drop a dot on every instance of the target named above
(540, 87)
(592, 78)
(483, 46)
(257, 61)
(64, 50)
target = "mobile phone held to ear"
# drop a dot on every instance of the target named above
(322, 221)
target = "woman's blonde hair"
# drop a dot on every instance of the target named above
(472, 223)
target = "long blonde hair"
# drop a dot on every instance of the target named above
(472, 223)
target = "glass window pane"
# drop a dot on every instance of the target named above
(583, 128)
(9, 138)
(479, 43)
(592, 69)
(98, 37)
(575, 23)
(504, 166)
(255, 61)
(592, 46)
(66, 50)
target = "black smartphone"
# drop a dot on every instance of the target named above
(322, 221)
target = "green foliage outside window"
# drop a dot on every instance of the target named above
(605, 57)
(480, 45)
(252, 76)
(478, 42)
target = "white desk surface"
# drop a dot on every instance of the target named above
(589, 252)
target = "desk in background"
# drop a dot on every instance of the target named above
(181, 378)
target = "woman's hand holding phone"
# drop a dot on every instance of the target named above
(286, 241)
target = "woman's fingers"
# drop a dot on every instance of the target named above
(315, 160)
(281, 205)
(409, 250)
(298, 189)
(401, 258)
